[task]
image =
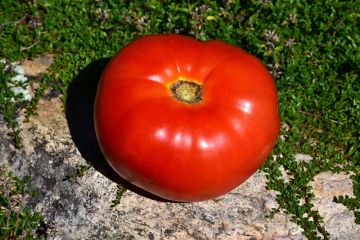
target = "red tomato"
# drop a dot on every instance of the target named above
(183, 119)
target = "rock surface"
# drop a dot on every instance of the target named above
(56, 145)
(38, 65)
(81, 209)
(339, 221)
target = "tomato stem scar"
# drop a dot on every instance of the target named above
(186, 91)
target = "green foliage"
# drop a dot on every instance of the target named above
(16, 221)
(9, 103)
(311, 48)
(352, 203)
(80, 172)
(119, 192)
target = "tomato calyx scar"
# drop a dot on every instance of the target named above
(186, 91)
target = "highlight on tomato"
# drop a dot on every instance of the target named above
(183, 119)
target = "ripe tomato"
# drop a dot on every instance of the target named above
(185, 120)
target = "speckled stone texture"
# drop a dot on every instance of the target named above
(57, 144)
(81, 209)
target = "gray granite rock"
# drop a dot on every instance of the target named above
(81, 209)
(57, 144)
(339, 221)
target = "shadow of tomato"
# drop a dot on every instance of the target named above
(79, 111)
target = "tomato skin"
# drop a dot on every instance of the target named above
(181, 151)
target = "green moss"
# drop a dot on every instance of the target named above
(16, 221)
(119, 192)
